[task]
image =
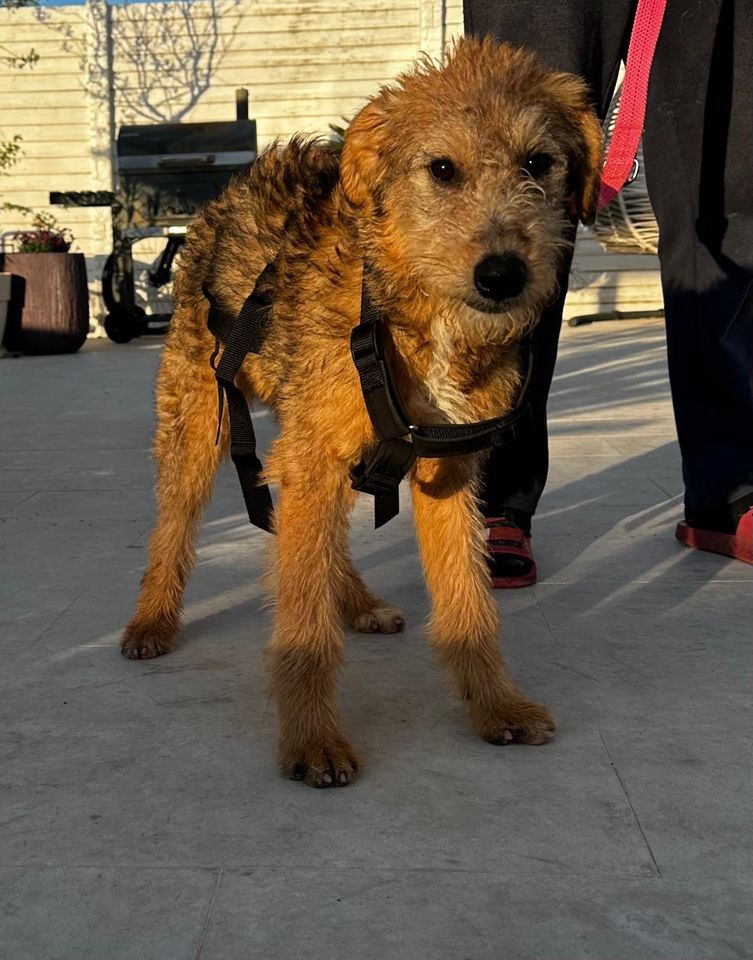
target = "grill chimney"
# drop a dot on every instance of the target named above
(241, 104)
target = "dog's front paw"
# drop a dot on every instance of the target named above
(330, 763)
(142, 641)
(518, 721)
(382, 619)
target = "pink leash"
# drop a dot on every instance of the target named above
(631, 114)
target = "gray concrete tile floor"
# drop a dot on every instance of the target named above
(142, 815)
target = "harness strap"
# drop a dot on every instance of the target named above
(451, 440)
(380, 475)
(367, 349)
(245, 335)
(400, 442)
(457, 439)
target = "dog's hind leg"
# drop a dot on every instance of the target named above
(306, 649)
(465, 621)
(187, 460)
(362, 610)
(359, 607)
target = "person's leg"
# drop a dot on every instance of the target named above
(697, 147)
(586, 37)
(581, 37)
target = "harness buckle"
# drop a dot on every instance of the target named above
(382, 472)
(380, 475)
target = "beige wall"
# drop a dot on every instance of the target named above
(306, 65)
(48, 106)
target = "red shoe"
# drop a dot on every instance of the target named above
(738, 545)
(509, 553)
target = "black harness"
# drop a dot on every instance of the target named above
(399, 441)
(241, 336)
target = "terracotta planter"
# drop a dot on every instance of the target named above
(5, 285)
(49, 307)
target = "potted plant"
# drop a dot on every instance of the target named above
(45, 236)
(9, 151)
(49, 303)
(49, 309)
(5, 286)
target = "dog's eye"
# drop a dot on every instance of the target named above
(538, 165)
(443, 169)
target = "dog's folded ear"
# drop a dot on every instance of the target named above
(361, 162)
(585, 144)
(587, 166)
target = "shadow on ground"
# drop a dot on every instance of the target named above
(142, 812)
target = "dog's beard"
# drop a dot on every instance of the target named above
(479, 320)
(499, 326)
(503, 310)
(483, 321)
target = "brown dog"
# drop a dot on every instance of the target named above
(457, 184)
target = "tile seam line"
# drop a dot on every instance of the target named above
(545, 619)
(630, 804)
(99, 489)
(52, 623)
(88, 449)
(20, 502)
(667, 494)
(233, 868)
(551, 582)
(210, 911)
(135, 542)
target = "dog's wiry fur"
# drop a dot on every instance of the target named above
(454, 358)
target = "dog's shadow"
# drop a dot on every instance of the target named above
(392, 677)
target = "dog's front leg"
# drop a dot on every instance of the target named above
(306, 649)
(465, 621)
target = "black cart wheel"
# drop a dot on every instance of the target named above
(123, 327)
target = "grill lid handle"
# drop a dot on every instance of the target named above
(181, 160)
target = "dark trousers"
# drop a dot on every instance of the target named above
(698, 152)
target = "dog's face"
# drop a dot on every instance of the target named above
(466, 177)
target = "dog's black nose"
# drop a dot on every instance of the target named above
(500, 276)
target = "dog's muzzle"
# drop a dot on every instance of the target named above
(500, 277)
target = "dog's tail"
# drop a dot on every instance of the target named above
(236, 235)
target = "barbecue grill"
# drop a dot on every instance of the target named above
(164, 173)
